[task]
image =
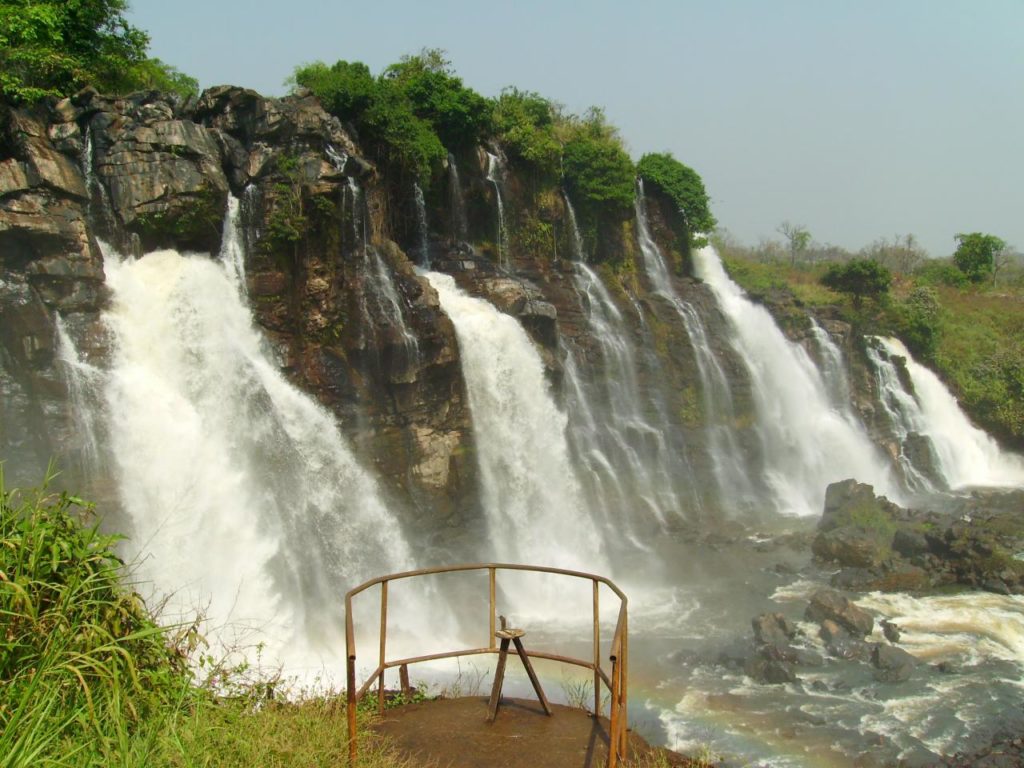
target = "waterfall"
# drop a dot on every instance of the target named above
(232, 249)
(85, 391)
(731, 467)
(806, 443)
(966, 455)
(96, 191)
(338, 159)
(379, 300)
(422, 230)
(457, 204)
(495, 172)
(243, 499)
(833, 367)
(578, 253)
(618, 429)
(531, 497)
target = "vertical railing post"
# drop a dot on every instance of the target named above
(383, 643)
(350, 673)
(597, 650)
(492, 589)
(613, 725)
(625, 685)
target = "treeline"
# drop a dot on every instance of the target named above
(417, 111)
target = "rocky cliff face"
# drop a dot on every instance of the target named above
(330, 277)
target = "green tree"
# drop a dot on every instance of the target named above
(977, 255)
(55, 47)
(859, 278)
(686, 189)
(524, 122)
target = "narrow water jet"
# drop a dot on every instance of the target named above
(495, 173)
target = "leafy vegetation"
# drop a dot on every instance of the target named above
(598, 171)
(89, 679)
(409, 116)
(860, 278)
(969, 332)
(977, 255)
(686, 190)
(525, 124)
(55, 47)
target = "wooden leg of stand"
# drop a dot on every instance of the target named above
(499, 678)
(532, 674)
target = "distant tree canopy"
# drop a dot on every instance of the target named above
(978, 255)
(56, 47)
(684, 186)
(859, 278)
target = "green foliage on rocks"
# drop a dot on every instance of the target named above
(525, 124)
(56, 47)
(685, 188)
(598, 171)
(408, 116)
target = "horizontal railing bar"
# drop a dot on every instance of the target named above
(484, 566)
(479, 651)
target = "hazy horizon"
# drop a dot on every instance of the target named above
(857, 120)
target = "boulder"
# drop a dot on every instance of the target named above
(773, 629)
(892, 665)
(827, 604)
(771, 671)
(855, 546)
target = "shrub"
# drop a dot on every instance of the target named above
(598, 171)
(859, 278)
(685, 188)
(939, 272)
(524, 123)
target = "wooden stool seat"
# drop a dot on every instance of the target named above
(509, 635)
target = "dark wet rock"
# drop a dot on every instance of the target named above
(947, 668)
(827, 604)
(892, 665)
(891, 631)
(919, 757)
(773, 629)
(770, 671)
(909, 542)
(856, 546)
(831, 632)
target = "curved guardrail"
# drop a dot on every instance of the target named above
(615, 679)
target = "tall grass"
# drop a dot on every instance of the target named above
(89, 678)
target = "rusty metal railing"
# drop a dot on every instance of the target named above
(616, 680)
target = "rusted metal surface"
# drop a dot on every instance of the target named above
(616, 681)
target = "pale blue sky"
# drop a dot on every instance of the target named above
(856, 118)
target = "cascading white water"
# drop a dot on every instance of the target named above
(379, 300)
(806, 443)
(85, 390)
(731, 467)
(633, 470)
(531, 496)
(966, 455)
(833, 367)
(422, 229)
(495, 172)
(232, 252)
(243, 498)
(578, 253)
(338, 159)
(460, 227)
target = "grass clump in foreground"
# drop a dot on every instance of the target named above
(88, 677)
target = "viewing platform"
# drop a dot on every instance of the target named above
(491, 731)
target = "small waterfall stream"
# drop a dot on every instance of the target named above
(578, 252)
(731, 466)
(457, 203)
(532, 499)
(631, 460)
(422, 229)
(966, 455)
(793, 405)
(495, 173)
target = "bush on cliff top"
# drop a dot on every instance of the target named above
(597, 169)
(684, 186)
(56, 47)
